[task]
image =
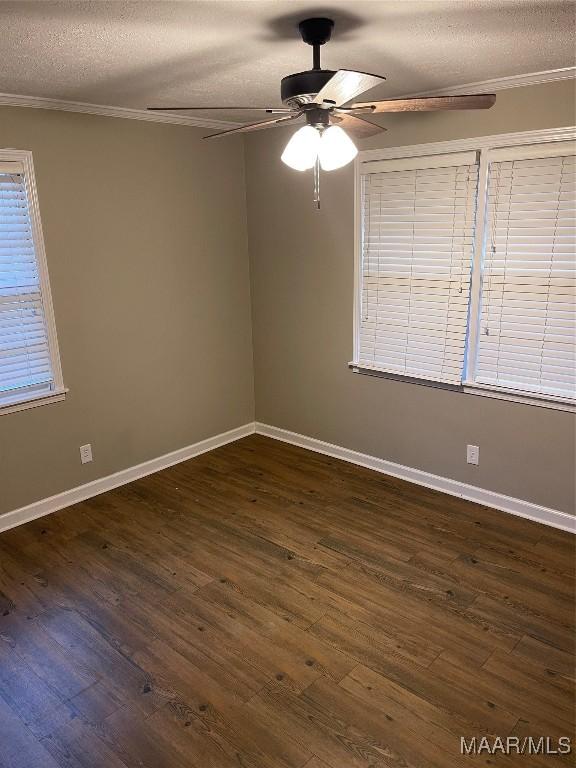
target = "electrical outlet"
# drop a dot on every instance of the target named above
(473, 454)
(85, 453)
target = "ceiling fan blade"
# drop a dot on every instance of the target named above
(357, 126)
(255, 126)
(270, 110)
(430, 103)
(346, 85)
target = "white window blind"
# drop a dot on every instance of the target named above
(25, 360)
(418, 219)
(526, 335)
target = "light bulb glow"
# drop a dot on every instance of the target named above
(302, 149)
(336, 149)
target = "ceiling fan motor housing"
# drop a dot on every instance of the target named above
(302, 87)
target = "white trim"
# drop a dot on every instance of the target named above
(501, 83)
(23, 403)
(531, 151)
(439, 160)
(358, 253)
(516, 396)
(11, 166)
(476, 273)
(103, 484)
(519, 392)
(468, 388)
(24, 157)
(513, 506)
(40, 252)
(482, 86)
(479, 142)
(360, 366)
(39, 102)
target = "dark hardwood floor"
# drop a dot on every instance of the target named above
(266, 607)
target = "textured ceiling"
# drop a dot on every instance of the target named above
(135, 54)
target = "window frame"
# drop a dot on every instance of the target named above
(483, 145)
(19, 400)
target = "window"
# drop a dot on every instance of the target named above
(30, 371)
(418, 239)
(526, 328)
(466, 266)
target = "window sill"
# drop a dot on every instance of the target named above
(470, 389)
(557, 404)
(11, 405)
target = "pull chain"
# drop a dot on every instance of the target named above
(317, 183)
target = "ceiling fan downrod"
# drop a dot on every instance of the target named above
(316, 32)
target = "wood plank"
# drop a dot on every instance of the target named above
(19, 748)
(552, 658)
(39, 707)
(77, 746)
(267, 607)
(48, 660)
(396, 739)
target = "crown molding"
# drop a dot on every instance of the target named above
(39, 102)
(482, 86)
(500, 83)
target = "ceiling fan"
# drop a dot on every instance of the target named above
(325, 99)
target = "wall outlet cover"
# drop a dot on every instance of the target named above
(85, 453)
(473, 454)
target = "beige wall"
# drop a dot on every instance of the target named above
(302, 273)
(145, 230)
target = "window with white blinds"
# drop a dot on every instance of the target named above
(417, 247)
(526, 338)
(466, 269)
(28, 364)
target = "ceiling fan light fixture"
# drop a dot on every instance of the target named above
(336, 149)
(302, 149)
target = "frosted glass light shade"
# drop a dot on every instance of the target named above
(302, 149)
(336, 149)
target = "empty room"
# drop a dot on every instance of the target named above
(287, 383)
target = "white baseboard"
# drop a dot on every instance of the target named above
(509, 504)
(82, 492)
(526, 509)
